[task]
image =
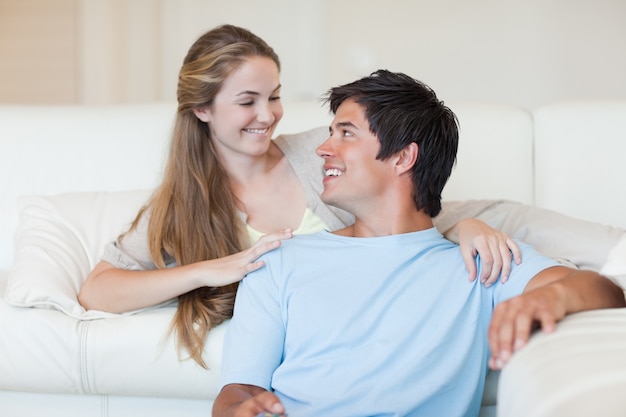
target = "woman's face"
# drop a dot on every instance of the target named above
(247, 109)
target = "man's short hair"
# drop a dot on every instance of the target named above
(401, 110)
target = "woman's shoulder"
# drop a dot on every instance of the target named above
(303, 142)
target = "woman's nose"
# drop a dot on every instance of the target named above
(265, 114)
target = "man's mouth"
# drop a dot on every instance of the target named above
(333, 172)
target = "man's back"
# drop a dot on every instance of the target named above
(367, 326)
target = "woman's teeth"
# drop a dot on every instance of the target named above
(256, 131)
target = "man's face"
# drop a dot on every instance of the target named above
(354, 179)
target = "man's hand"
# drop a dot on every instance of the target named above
(237, 400)
(514, 320)
(548, 297)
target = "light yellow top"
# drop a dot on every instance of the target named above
(310, 224)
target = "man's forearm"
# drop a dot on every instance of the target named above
(582, 290)
(587, 290)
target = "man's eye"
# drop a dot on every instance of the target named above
(347, 133)
(247, 103)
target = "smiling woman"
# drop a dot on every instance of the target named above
(188, 241)
(243, 116)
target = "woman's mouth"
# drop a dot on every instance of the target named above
(257, 131)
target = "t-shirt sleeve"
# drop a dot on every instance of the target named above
(254, 341)
(532, 263)
(131, 250)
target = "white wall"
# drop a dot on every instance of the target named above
(37, 51)
(132, 49)
(520, 52)
(291, 27)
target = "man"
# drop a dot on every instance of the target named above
(377, 319)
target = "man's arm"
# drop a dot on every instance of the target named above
(238, 400)
(549, 296)
(253, 346)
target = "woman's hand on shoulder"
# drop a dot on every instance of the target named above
(496, 250)
(232, 268)
(117, 290)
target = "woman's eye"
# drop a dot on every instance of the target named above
(275, 98)
(248, 103)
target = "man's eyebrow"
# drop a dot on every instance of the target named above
(346, 124)
(342, 125)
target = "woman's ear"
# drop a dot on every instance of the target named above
(203, 113)
(407, 157)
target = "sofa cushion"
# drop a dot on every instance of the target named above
(47, 351)
(59, 240)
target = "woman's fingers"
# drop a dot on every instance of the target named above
(268, 243)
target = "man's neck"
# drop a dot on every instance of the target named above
(377, 226)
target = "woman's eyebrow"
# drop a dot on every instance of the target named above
(248, 93)
(256, 93)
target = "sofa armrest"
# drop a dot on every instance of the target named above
(578, 371)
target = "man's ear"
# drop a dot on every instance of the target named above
(203, 113)
(406, 158)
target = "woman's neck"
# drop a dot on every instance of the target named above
(245, 171)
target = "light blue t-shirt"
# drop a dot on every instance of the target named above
(385, 326)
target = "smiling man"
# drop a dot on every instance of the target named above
(378, 319)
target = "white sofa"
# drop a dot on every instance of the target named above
(72, 177)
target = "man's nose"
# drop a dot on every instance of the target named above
(325, 149)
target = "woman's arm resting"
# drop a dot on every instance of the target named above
(115, 290)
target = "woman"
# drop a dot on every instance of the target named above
(192, 240)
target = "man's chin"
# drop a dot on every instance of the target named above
(329, 200)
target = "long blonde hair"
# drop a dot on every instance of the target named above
(193, 216)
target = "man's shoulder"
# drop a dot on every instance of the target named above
(533, 256)
(532, 264)
(319, 239)
(301, 243)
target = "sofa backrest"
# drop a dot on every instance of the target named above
(46, 150)
(580, 159)
(495, 154)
